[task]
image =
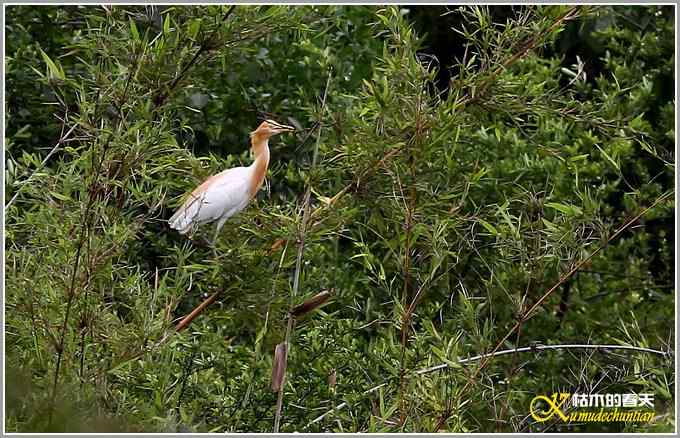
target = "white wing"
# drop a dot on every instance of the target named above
(220, 196)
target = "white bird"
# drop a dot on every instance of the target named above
(223, 195)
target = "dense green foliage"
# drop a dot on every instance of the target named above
(439, 210)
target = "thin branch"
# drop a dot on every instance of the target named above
(56, 147)
(197, 311)
(532, 348)
(206, 45)
(540, 347)
(85, 221)
(409, 216)
(298, 265)
(526, 49)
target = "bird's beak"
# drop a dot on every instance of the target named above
(284, 128)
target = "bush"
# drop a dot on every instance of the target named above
(449, 207)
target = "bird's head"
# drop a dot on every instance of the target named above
(269, 128)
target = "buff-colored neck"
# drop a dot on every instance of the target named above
(260, 146)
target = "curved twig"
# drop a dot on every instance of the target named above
(540, 347)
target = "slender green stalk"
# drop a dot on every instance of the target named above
(302, 234)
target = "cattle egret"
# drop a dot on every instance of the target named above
(223, 195)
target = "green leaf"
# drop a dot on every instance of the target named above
(166, 25)
(569, 210)
(194, 27)
(490, 228)
(549, 225)
(54, 69)
(582, 157)
(610, 159)
(60, 196)
(478, 175)
(133, 30)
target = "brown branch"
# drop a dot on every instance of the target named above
(197, 311)
(409, 215)
(311, 304)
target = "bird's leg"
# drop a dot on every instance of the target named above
(214, 239)
(218, 227)
(212, 244)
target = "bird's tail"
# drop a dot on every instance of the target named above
(181, 221)
(187, 215)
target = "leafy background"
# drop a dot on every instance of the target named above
(463, 161)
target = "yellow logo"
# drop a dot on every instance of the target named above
(612, 407)
(554, 406)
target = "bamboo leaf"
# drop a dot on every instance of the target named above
(53, 68)
(569, 210)
(490, 228)
(133, 30)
